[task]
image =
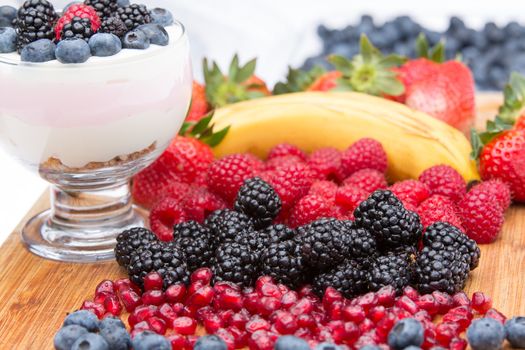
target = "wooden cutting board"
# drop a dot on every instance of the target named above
(36, 294)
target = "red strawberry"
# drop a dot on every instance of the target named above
(413, 71)
(481, 216)
(326, 162)
(411, 191)
(520, 123)
(349, 197)
(368, 180)
(286, 149)
(164, 215)
(364, 154)
(199, 105)
(199, 203)
(326, 81)
(444, 180)
(77, 10)
(496, 188)
(309, 208)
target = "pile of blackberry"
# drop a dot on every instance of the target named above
(384, 246)
(34, 21)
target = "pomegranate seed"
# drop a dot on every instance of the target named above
(284, 289)
(461, 321)
(337, 329)
(189, 311)
(184, 325)
(221, 286)
(228, 338)
(400, 313)
(202, 297)
(366, 339)
(106, 286)
(270, 290)
(428, 303)
(135, 287)
(303, 306)
(141, 313)
(457, 344)
(384, 326)
(194, 287)
(422, 316)
(319, 317)
(481, 302)
(351, 332)
(331, 295)
(226, 316)
(96, 308)
(461, 299)
(377, 313)
(267, 305)
(112, 305)
(192, 339)
(141, 326)
(212, 322)
(229, 299)
(241, 337)
(285, 322)
(367, 301)
(121, 284)
(157, 325)
(202, 275)
(257, 323)
(366, 325)
(288, 299)
(495, 314)
(130, 299)
(354, 313)
(251, 302)
(175, 293)
(407, 304)
(153, 281)
(178, 308)
(179, 342)
(445, 332)
(306, 291)
(261, 340)
(240, 318)
(444, 301)
(165, 311)
(335, 311)
(411, 292)
(303, 333)
(101, 297)
(324, 334)
(262, 281)
(306, 321)
(386, 296)
(153, 297)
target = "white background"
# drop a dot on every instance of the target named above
(278, 32)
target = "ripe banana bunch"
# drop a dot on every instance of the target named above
(412, 140)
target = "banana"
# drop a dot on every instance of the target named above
(412, 140)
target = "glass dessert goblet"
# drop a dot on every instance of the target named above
(87, 129)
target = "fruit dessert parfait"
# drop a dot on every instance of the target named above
(90, 95)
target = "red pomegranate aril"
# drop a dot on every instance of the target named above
(303, 306)
(270, 290)
(461, 299)
(184, 325)
(324, 334)
(285, 322)
(192, 339)
(366, 325)
(226, 316)
(267, 305)
(101, 297)
(221, 286)
(153, 281)
(386, 296)
(422, 316)
(202, 275)
(112, 305)
(261, 340)
(228, 338)
(481, 302)
(351, 332)
(96, 308)
(142, 326)
(407, 304)
(376, 313)
(331, 295)
(229, 299)
(445, 332)
(189, 311)
(240, 318)
(458, 344)
(444, 301)
(130, 299)
(289, 298)
(337, 329)
(367, 301)
(306, 291)
(194, 287)
(495, 314)
(122, 284)
(335, 311)
(384, 326)
(178, 308)
(157, 325)
(411, 292)
(202, 297)
(166, 312)
(306, 321)
(142, 313)
(212, 322)
(462, 321)
(179, 342)
(283, 288)
(251, 302)
(106, 286)
(175, 293)
(256, 323)
(153, 297)
(262, 281)
(303, 333)
(241, 337)
(354, 313)
(428, 303)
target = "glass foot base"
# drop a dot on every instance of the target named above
(83, 244)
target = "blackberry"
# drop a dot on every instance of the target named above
(394, 270)
(445, 270)
(324, 243)
(260, 240)
(283, 261)
(234, 262)
(194, 240)
(258, 200)
(104, 8)
(226, 225)
(78, 28)
(165, 258)
(131, 240)
(442, 233)
(349, 278)
(133, 15)
(34, 21)
(113, 25)
(385, 217)
(361, 243)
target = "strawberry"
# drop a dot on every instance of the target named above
(326, 82)
(412, 71)
(77, 10)
(199, 105)
(240, 84)
(520, 123)
(299, 80)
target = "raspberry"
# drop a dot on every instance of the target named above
(349, 196)
(281, 162)
(78, 10)
(291, 183)
(200, 202)
(364, 154)
(325, 189)
(164, 215)
(444, 180)
(309, 208)
(368, 180)
(496, 188)
(226, 176)
(154, 183)
(481, 219)
(326, 162)
(410, 191)
(438, 208)
(286, 149)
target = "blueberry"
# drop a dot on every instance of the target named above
(156, 33)
(7, 40)
(437, 348)
(514, 30)
(455, 24)
(515, 328)
(136, 39)
(104, 44)
(70, 4)
(111, 321)
(370, 347)
(116, 336)
(67, 335)
(148, 340)
(479, 40)
(406, 332)
(90, 341)
(122, 3)
(485, 334)
(412, 347)
(7, 15)
(493, 32)
(210, 342)
(42, 50)
(327, 346)
(289, 342)
(73, 51)
(83, 318)
(161, 16)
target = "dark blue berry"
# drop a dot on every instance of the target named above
(493, 32)
(412, 347)
(116, 336)
(7, 15)
(156, 33)
(90, 341)
(7, 40)
(83, 318)
(161, 16)
(210, 342)
(136, 39)
(104, 44)
(123, 3)
(111, 321)
(327, 346)
(73, 51)
(370, 347)
(515, 329)
(289, 342)
(406, 332)
(42, 50)
(67, 336)
(485, 334)
(148, 340)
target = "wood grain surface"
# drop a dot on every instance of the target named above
(36, 294)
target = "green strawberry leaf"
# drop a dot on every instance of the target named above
(234, 68)
(423, 49)
(514, 98)
(202, 124)
(298, 80)
(216, 138)
(246, 71)
(203, 130)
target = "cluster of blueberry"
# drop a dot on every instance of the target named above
(491, 52)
